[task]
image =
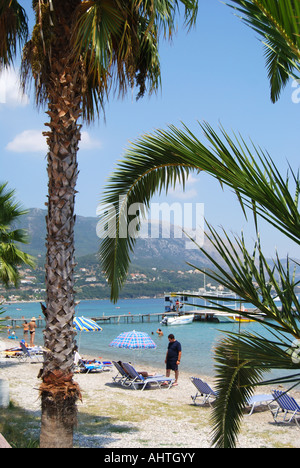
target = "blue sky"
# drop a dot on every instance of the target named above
(214, 73)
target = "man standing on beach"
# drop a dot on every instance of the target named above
(173, 357)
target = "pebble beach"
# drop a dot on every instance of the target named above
(111, 416)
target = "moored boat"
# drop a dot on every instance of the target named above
(177, 319)
(179, 310)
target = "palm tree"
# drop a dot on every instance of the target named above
(78, 52)
(11, 257)
(159, 160)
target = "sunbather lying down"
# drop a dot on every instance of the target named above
(143, 373)
(79, 360)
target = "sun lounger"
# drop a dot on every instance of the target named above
(90, 367)
(84, 365)
(108, 365)
(32, 354)
(122, 376)
(137, 379)
(203, 390)
(104, 365)
(257, 400)
(287, 405)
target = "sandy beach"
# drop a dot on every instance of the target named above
(111, 416)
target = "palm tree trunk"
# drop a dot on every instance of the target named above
(58, 391)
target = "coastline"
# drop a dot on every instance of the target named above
(111, 416)
(78, 299)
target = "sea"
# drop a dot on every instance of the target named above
(198, 339)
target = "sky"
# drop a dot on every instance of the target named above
(214, 73)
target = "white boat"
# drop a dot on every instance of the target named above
(237, 316)
(176, 319)
(224, 317)
(179, 310)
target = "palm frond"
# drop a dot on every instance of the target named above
(163, 13)
(278, 24)
(242, 361)
(243, 358)
(157, 161)
(235, 383)
(250, 277)
(11, 256)
(13, 30)
(10, 209)
(117, 244)
(118, 44)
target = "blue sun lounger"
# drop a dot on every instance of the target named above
(288, 405)
(203, 390)
(87, 367)
(32, 354)
(122, 376)
(137, 379)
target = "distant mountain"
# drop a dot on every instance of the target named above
(149, 252)
(158, 252)
(85, 233)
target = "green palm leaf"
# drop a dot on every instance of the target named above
(13, 30)
(118, 42)
(242, 359)
(114, 44)
(11, 256)
(251, 278)
(278, 23)
(156, 162)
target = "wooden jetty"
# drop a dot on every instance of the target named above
(206, 316)
(128, 318)
(125, 318)
(114, 319)
(18, 322)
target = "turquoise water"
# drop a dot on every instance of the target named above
(197, 339)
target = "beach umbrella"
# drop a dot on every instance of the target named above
(85, 324)
(133, 340)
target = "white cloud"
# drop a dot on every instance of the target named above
(10, 91)
(88, 143)
(29, 141)
(32, 141)
(189, 192)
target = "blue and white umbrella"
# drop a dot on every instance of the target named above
(133, 340)
(86, 324)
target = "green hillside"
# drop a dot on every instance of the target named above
(158, 264)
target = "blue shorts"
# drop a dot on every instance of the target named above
(172, 365)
